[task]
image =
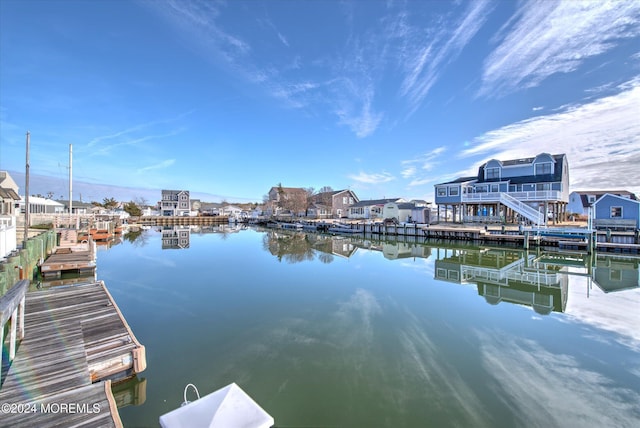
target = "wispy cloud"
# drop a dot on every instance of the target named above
(375, 178)
(414, 169)
(161, 165)
(603, 135)
(426, 62)
(546, 37)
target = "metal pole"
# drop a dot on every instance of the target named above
(70, 184)
(26, 192)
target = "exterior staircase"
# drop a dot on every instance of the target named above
(523, 209)
(68, 237)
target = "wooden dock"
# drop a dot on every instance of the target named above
(81, 261)
(74, 337)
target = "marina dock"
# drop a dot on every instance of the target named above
(80, 261)
(76, 342)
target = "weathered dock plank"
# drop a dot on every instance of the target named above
(92, 405)
(76, 261)
(73, 336)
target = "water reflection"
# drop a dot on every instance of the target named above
(362, 332)
(536, 279)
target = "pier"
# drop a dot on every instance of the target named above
(563, 238)
(76, 342)
(184, 220)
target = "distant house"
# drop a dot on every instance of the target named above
(580, 201)
(9, 198)
(616, 212)
(533, 189)
(370, 209)
(233, 211)
(39, 205)
(175, 203)
(334, 204)
(78, 207)
(406, 212)
(292, 200)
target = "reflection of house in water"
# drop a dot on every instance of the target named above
(509, 276)
(403, 250)
(615, 274)
(175, 237)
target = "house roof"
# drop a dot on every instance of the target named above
(617, 197)
(459, 180)
(9, 194)
(556, 176)
(371, 202)
(584, 195)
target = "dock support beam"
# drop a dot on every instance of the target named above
(12, 305)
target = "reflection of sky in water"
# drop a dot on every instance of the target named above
(367, 341)
(617, 314)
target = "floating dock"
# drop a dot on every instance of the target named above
(76, 342)
(80, 261)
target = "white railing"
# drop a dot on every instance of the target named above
(542, 195)
(523, 209)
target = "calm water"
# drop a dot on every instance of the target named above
(338, 332)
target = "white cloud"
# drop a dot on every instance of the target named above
(427, 60)
(375, 178)
(601, 140)
(164, 164)
(555, 37)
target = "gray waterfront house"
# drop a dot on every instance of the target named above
(175, 203)
(533, 190)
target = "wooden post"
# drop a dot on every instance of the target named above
(12, 335)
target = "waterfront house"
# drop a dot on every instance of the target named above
(78, 207)
(334, 204)
(406, 212)
(9, 198)
(528, 189)
(616, 212)
(39, 205)
(294, 200)
(175, 203)
(581, 201)
(370, 209)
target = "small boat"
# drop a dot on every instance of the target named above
(342, 228)
(227, 407)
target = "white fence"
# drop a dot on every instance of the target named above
(8, 240)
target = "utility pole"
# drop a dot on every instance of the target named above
(26, 199)
(70, 184)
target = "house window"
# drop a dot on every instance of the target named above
(344, 200)
(591, 199)
(454, 191)
(616, 212)
(481, 189)
(544, 168)
(442, 191)
(492, 173)
(495, 188)
(543, 186)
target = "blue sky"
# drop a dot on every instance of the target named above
(227, 99)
